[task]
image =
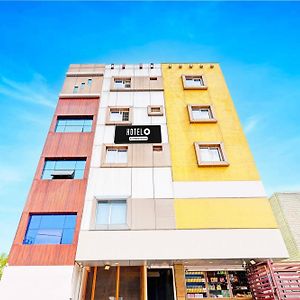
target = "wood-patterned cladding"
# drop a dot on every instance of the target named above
(57, 196)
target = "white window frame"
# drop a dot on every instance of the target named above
(187, 79)
(110, 226)
(215, 145)
(120, 110)
(159, 112)
(106, 147)
(122, 83)
(211, 113)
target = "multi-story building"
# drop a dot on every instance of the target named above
(286, 208)
(146, 189)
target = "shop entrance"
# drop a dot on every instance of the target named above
(160, 284)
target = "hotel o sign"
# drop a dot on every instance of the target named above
(138, 134)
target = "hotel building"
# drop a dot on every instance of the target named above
(146, 189)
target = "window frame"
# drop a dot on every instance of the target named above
(186, 87)
(109, 226)
(119, 108)
(74, 117)
(62, 229)
(223, 163)
(116, 165)
(61, 171)
(201, 106)
(124, 79)
(158, 113)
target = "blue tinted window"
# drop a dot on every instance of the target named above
(64, 168)
(50, 229)
(74, 124)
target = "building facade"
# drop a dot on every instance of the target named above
(146, 189)
(286, 208)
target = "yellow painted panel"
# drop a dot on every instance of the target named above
(224, 213)
(182, 134)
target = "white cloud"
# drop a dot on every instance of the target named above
(36, 91)
(251, 123)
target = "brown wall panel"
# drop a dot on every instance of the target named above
(57, 196)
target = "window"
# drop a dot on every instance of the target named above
(75, 89)
(118, 115)
(50, 229)
(122, 83)
(116, 155)
(155, 110)
(111, 214)
(194, 82)
(211, 154)
(201, 114)
(157, 148)
(82, 85)
(153, 78)
(74, 124)
(64, 168)
(89, 82)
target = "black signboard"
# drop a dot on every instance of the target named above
(138, 134)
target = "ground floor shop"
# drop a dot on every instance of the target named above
(164, 282)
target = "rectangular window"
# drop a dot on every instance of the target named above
(116, 155)
(75, 89)
(74, 124)
(194, 82)
(201, 114)
(111, 214)
(155, 110)
(64, 168)
(89, 82)
(118, 115)
(122, 83)
(50, 229)
(211, 154)
(82, 85)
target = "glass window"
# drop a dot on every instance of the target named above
(122, 83)
(50, 229)
(75, 89)
(111, 212)
(210, 154)
(119, 115)
(82, 85)
(194, 81)
(116, 155)
(89, 82)
(64, 168)
(74, 124)
(199, 113)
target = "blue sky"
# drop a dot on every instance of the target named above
(256, 43)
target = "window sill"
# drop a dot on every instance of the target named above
(118, 123)
(115, 165)
(213, 164)
(195, 87)
(204, 121)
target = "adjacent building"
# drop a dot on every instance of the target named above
(286, 208)
(146, 189)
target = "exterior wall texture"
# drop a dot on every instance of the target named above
(286, 208)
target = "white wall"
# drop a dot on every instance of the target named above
(180, 244)
(36, 283)
(215, 189)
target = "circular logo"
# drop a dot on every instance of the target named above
(146, 131)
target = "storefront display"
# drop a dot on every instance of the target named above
(195, 284)
(216, 284)
(239, 283)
